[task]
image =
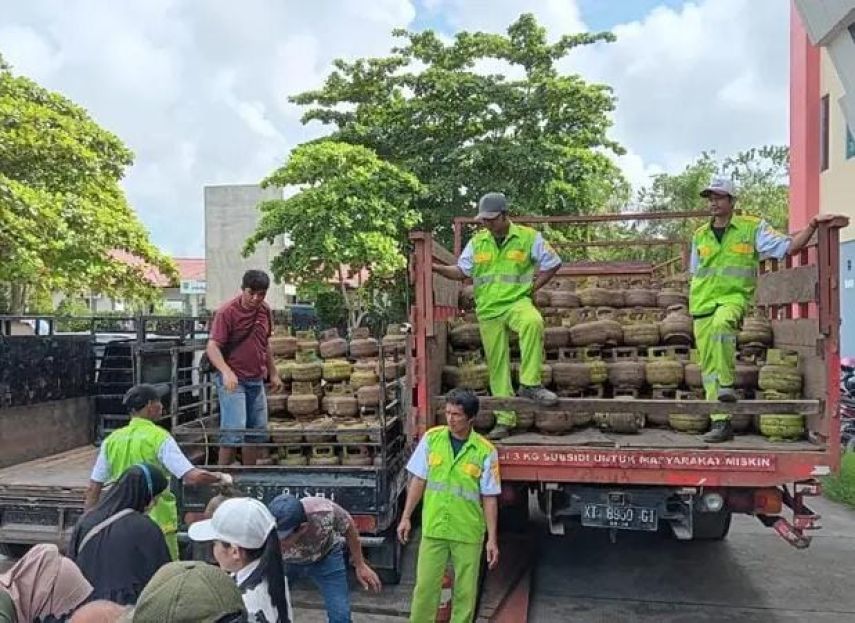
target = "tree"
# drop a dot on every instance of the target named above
(63, 211)
(351, 209)
(761, 177)
(428, 109)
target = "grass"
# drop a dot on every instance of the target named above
(841, 488)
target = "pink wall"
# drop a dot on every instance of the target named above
(804, 124)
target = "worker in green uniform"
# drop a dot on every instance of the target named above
(143, 441)
(456, 470)
(502, 259)
(724, 259)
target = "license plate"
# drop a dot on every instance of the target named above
(621, 517)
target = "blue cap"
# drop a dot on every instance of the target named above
(289, 514)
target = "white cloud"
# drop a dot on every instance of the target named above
(199, 90)
(562, 16)
(710, 76)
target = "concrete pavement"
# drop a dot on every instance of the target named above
(752, 576)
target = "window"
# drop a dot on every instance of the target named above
(823, 133)
(850, 144)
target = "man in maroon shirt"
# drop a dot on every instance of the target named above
(239, 349)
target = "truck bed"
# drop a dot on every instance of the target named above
(63, 475)
(42, 499)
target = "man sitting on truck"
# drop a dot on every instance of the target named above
(501, 260)
(143, 441)
(457, 472)
(724, 258)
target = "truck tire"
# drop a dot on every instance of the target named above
(711, 526)
(14, 550)
(514, 518)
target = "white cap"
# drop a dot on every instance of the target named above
(244, 522)
(721, 186)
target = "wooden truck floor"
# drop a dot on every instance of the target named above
(63, 474)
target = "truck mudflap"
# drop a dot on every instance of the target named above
(804, 519)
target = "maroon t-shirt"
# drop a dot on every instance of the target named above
(248, 360)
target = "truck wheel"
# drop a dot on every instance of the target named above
(14, 550)
(514, 518)
(711, 526)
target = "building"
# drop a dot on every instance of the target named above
(189, 295)
(186, 297)
(231, 215)
(822, 116)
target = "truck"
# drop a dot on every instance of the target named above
(651, 480)
(42, 486)
(371, 489)
(62, 388)
(657, 479)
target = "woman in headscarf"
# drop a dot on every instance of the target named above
(42, 587)
(116, 545)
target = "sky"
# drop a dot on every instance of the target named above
(198, 90)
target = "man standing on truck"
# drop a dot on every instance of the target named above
(457, 472)
(239, 349)
(143, 441)
(501, 259)
(724, 259)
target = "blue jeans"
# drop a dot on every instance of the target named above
(244, 408)
(330, 576)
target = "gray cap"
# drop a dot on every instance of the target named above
(492, 205)
(719, 186)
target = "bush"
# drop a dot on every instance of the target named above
(841, 487)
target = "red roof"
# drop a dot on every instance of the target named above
(151, 274)
(188, 268)
(191, 268)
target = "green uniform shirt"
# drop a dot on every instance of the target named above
(452, 508)
(139, 442)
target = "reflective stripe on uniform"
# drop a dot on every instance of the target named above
(727, 271)
(460, 492)
(710, 378)
(735, 271)
(723, 337)
(525, 279)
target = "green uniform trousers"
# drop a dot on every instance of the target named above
(715, 338)
(524, 319)
(433, 558)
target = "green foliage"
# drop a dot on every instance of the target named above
(40, 302)
(330, 304)
(761, 176)
(73, 314)
(62, 209)
(841, 487)
(352, 208)
(426, 108)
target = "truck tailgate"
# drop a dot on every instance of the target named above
(658, 456)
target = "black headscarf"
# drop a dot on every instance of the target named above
(120, 559)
